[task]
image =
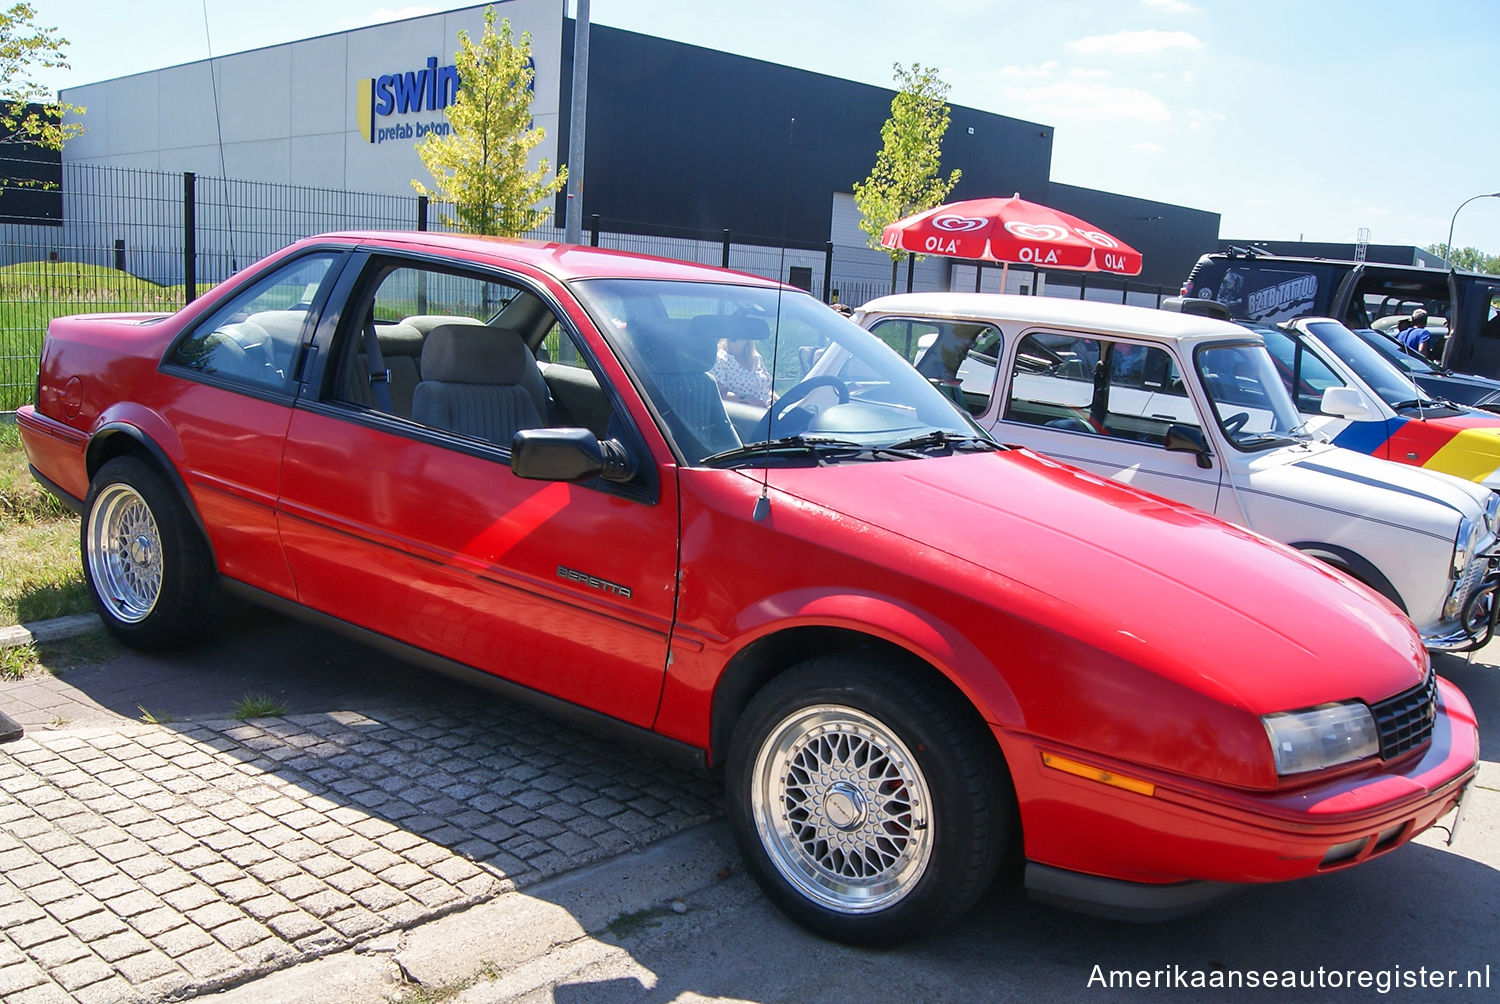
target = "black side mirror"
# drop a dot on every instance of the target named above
(1187, 439)
(568, 455)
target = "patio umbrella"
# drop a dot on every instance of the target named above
(1012, 231)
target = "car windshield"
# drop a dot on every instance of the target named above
(1395, 352)
(1250, 402)
(734, 374)
(1391, 384)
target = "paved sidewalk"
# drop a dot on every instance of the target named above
(139, 862)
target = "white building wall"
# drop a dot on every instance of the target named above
(290, 113)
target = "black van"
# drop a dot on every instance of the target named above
(1265, 288)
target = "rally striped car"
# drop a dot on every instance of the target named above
(1350, 393)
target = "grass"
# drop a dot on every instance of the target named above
(41, 575)
(33, 293)
(16, 660)
(57, 657)
(257, 706)
(155, 717)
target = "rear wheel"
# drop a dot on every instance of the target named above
(147, 568)
(870, 808)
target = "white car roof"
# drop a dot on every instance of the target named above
(1141, 322)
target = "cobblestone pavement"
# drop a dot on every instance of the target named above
(139, 862)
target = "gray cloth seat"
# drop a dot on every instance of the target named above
(687, 392)
(401, 354)
(475, 383)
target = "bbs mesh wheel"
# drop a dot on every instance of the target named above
(870, 805)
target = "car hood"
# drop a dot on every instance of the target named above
(1461, 388)
(1361, 485)
(1212, 606)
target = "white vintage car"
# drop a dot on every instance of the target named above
(1192, 408)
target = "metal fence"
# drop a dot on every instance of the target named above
(113, 239)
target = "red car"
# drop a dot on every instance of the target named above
(911, 649)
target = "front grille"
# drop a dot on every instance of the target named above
(1472, 576)
(1405, 721)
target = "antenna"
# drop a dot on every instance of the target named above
(213, 80)
(763, 503)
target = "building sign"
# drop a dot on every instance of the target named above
(378, 99)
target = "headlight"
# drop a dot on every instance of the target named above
(1463, 546)
(1491, 509)
(1325, 736)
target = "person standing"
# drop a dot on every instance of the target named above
(1417, 339)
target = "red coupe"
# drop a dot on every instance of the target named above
(911, 649)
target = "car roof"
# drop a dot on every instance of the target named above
(1140, 322)
(561, 261)
(1252, 257)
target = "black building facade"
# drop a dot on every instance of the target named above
(681, 136)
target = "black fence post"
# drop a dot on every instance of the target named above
(725, 262)
(978, 274)
(594, 230)
(119, 254)
(421, 212)
(189, 237)
(828, 272)
(911, 265)
(1083, 285)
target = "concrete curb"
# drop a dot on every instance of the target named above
(41, 632)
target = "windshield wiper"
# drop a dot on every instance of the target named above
(788, 446)
(950, 440)
(1415, 402)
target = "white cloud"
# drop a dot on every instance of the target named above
(1170, 6)
(1080, 73)
(1137, 43)
(1147, 147)
(1187, 76)
(1072, 99)
(1027, 72)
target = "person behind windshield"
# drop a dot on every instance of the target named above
(741, 373)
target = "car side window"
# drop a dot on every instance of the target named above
(966, 352)
(1098, 386)
(464, 354)
(1305, 375)
(256, 336)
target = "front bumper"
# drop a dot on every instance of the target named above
(1475, 625)
(1187, 843)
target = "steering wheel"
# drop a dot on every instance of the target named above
(1234, 423)
(806, 387)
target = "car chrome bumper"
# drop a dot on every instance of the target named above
(1476, 625)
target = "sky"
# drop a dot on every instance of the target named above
(1293, 119)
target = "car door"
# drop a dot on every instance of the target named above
(1105, 404)
(400, 514)
(229, 405)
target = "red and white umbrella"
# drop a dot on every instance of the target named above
(1012, 232)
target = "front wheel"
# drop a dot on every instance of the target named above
(870, 808)
(148, 570)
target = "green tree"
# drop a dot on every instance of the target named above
(25, 115)
(1469, 259)
(906, 177)
(480, 166)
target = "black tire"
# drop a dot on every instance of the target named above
(807, 760)
(148, 569)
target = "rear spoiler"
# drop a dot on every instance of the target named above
(1193, 305)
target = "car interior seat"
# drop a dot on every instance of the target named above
(475, 382)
